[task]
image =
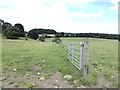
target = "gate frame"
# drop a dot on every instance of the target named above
(84, 56)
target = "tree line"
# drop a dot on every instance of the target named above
(34, 33)
(10, 31)
(42, 31)
(92, 35)
(16, 31)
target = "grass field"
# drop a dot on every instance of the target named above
(24, 56)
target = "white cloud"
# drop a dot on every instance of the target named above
(52, 14)
(115, 2)
(77, 1)
(92, 27)
(86, 15)
(115, 7)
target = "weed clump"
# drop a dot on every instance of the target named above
(57, 40)
(42, 38)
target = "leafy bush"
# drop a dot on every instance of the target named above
(57, 40)
(42, 38)
(33, 35)
(5, 25)
(21, 29)
(11, 32)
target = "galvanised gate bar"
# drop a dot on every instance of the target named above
(78, 54)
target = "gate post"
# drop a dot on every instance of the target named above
(85, 70)
(81, 54)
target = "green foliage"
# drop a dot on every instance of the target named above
(57, 40)
(21, 29)
(5, 25)
(33, 35)
(42, 38)
(42, 31)
(17, 25)
(11, 32)
(92, 35)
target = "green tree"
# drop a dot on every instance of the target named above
(11, 32)
(5, 25)
(21, 28)
(33, 35)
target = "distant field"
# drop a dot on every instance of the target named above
(24, 56)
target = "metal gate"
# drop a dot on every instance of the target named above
(78, 54)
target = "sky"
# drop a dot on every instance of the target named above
(75, 16)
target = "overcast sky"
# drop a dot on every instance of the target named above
(76, 16)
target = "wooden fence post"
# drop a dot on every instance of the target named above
(85, 66)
